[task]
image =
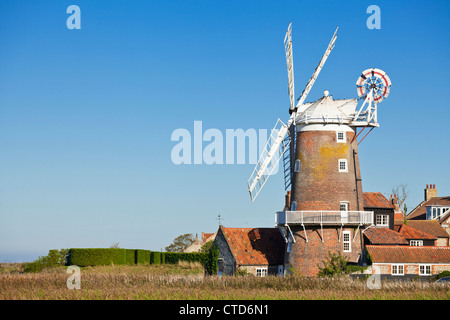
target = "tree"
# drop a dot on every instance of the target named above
(401, 193)
(180, 243)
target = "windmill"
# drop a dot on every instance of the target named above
(373, 86)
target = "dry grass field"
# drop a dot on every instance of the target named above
(187, 282)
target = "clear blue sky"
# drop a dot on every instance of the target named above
(86, 116)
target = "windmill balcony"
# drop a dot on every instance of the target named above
(324, 218)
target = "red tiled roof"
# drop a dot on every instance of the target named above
(376, 200)
(429, 226)
(384, 236)
(411, 233)
(255, 246)
(419, 212)
(407, 254)
(206, 236)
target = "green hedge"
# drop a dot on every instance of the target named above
(106, 256)
(97, 256)
(174, 257)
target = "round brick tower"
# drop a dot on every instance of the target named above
(326, 211)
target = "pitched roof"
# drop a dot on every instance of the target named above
(419, 212)
(429, 226)
(408, 254)
(384, 236)
(255, 246)
(411, 233)
(376, 200)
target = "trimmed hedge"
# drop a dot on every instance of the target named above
(106, 256)
(97, 256)
(174, 257)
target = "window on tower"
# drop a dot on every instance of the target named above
(340, 136)
(343, 165)
(346, 241)
(297, 165)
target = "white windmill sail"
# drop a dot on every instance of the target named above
(290, 64)
(277, 144)
(316, 72)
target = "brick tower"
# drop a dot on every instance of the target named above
(326, 210)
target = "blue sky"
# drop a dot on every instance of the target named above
(86, 116)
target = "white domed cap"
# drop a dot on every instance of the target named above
(326, 93)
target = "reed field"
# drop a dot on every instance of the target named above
(186, 281)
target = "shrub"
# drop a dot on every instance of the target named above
(443, 274)
(54, 258)
(174, 257)
(335, 265)
(131, 256)
(143, 256)
(155, 257)
(97, 256)
(212, 260)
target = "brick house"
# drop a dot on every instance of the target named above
(408, 261)
(432, 227)
(197, 245)
(259, 251)
(383, 209)
(433, 208)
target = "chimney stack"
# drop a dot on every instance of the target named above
(430, 192)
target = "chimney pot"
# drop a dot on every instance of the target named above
(427, 186)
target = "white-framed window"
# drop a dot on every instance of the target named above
(297, 165)
(343, 206)
(293, 206)
(261, 272)
(397, 270)
(424, 269)
(346, 240)
(340, 136)
(416, 243)
(382, 220)
(343, 165)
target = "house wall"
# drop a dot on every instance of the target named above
(229, 264)
(446, 224)
(409, 269)
(442, 242)
(383, 211)
(251, 269)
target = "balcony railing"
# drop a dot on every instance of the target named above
(324, 217)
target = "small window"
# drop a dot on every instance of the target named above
(382, 220)
(397, 270)
(343, 165)
(416, 243)
(341, 137)
(346, 241)
(293, 206)
(343, 206)
(261, 272)
(297, 165)
(424, 270)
